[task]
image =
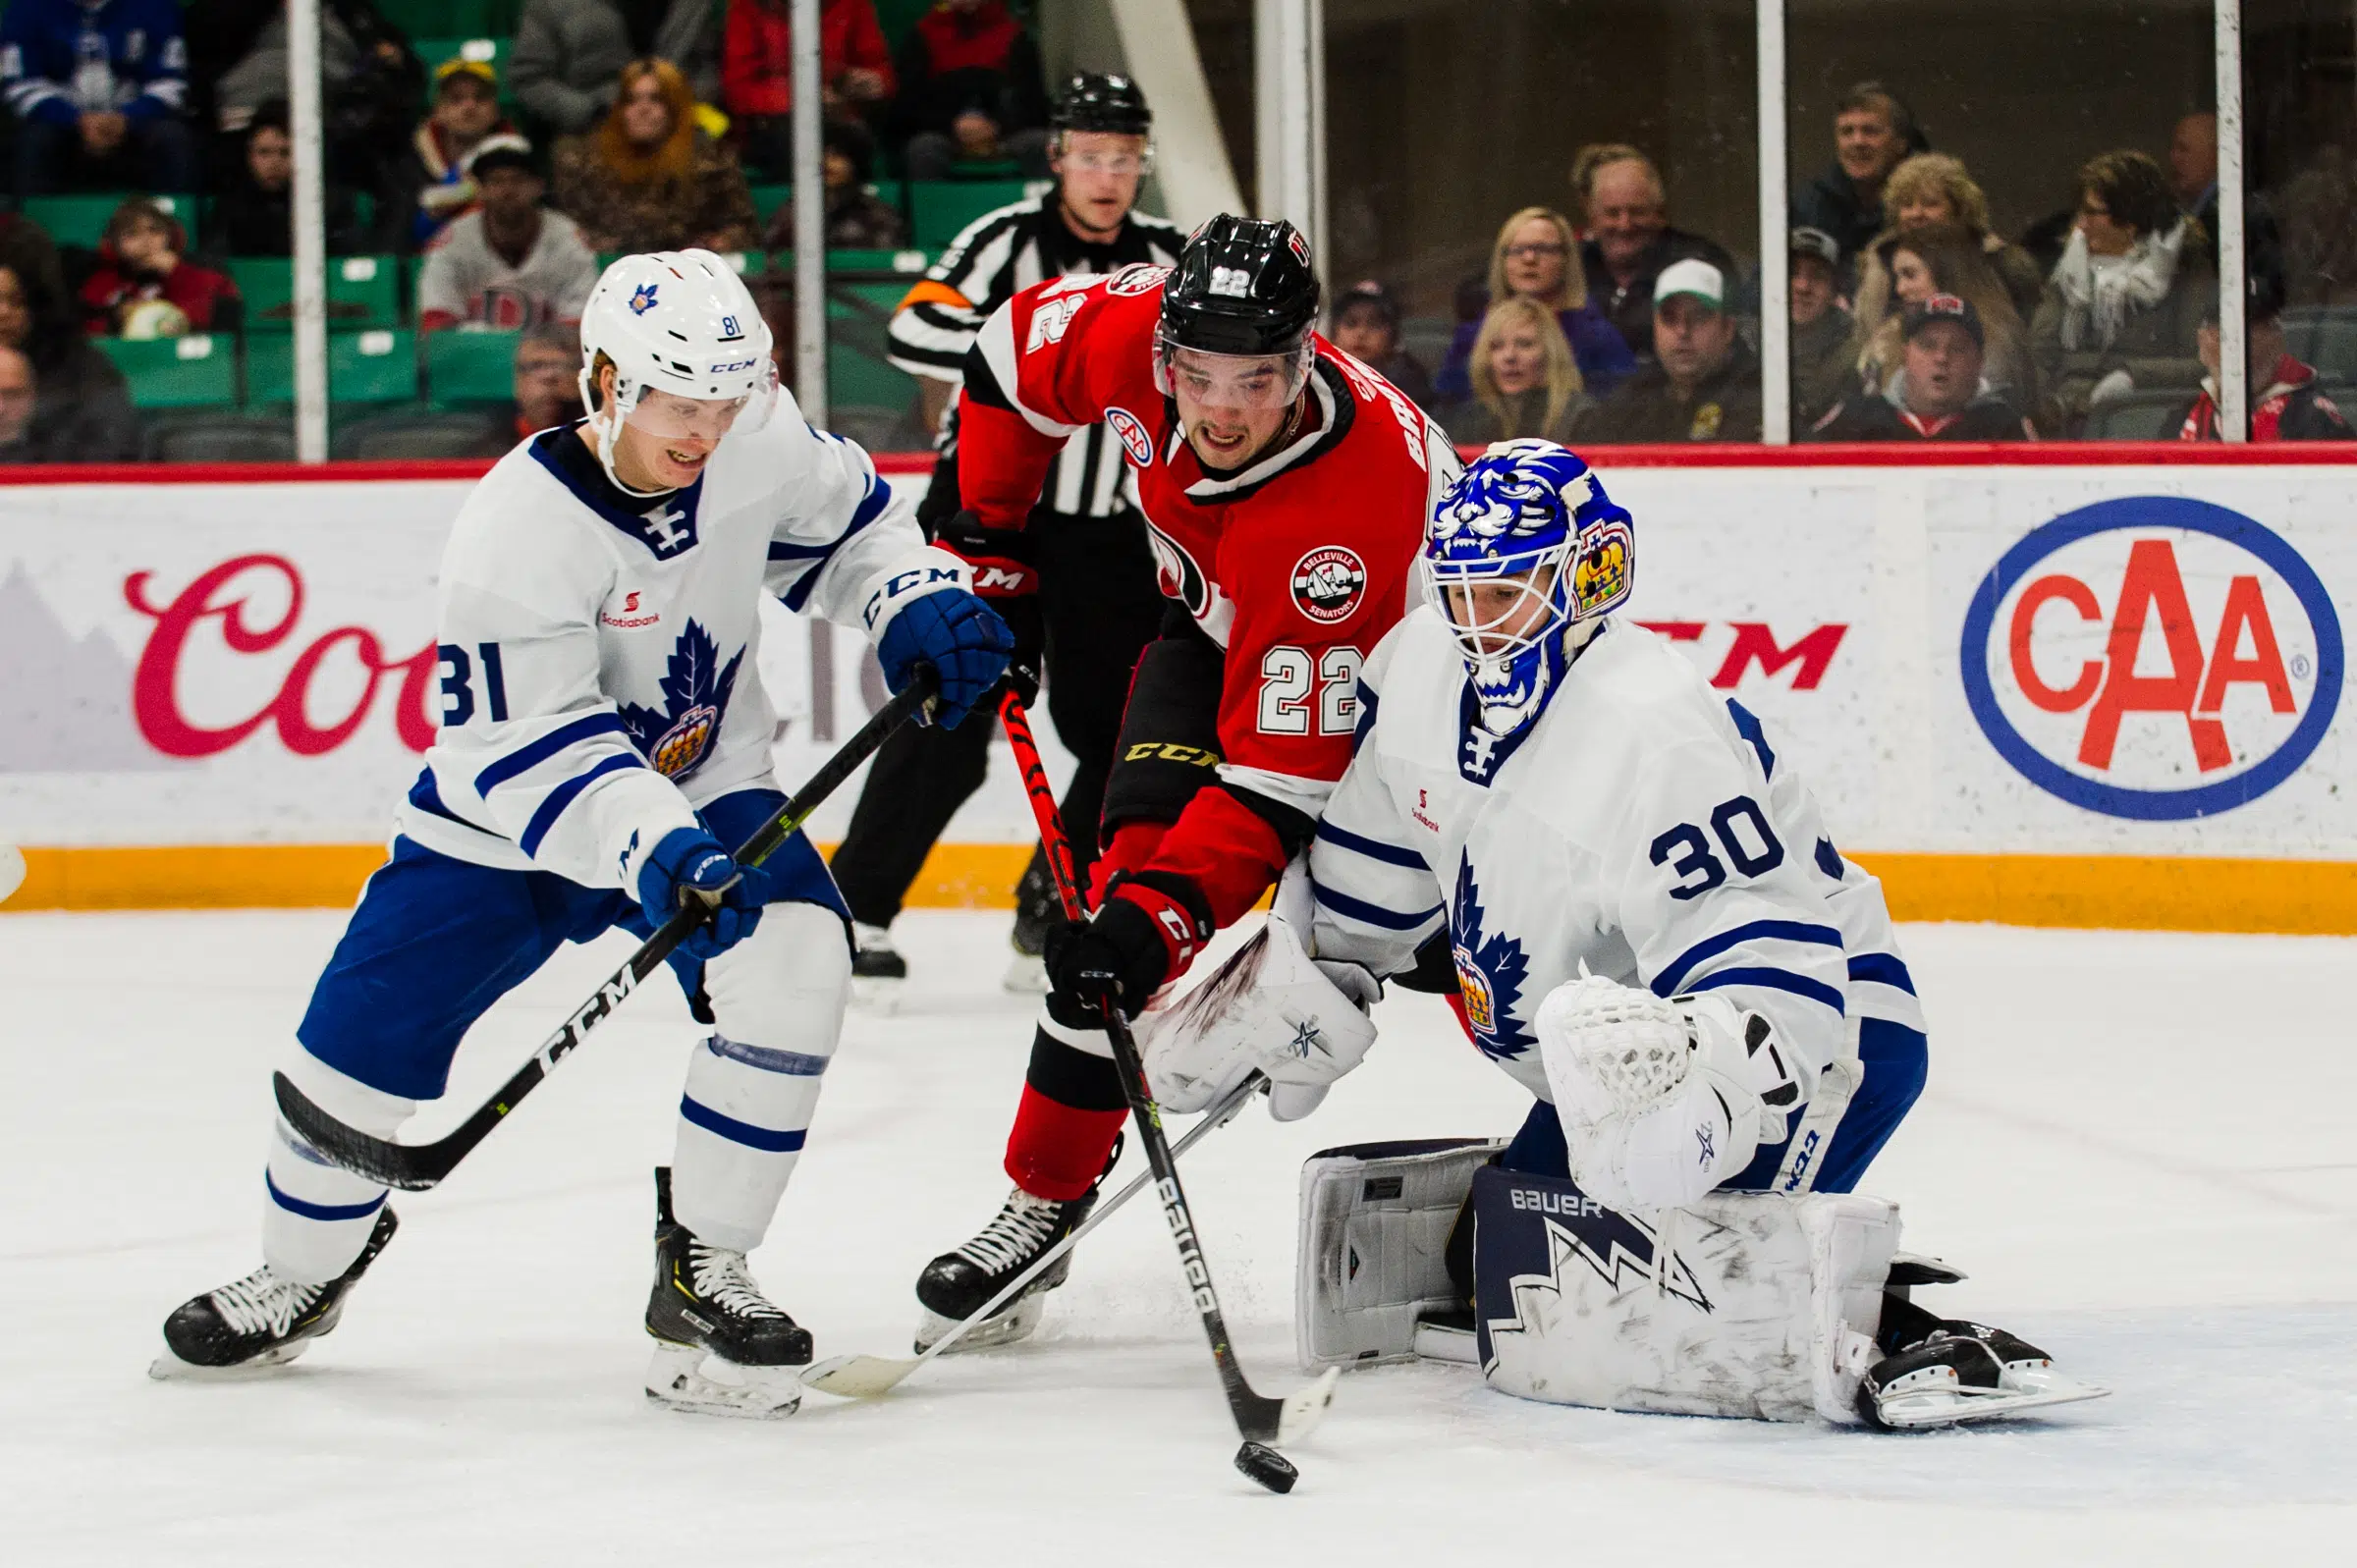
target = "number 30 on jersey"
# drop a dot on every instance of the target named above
(1301, 694)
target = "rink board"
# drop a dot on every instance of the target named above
(2101, 691)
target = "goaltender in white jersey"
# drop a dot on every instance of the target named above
(1648, 926)
(604, 741)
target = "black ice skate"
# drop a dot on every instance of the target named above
(722, 1348)
(958, 1284)
(260, 1321)
(1942, 1372)
(1037, 911)
(879, 974)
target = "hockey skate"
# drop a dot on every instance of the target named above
(879, 974)
(260, 1321)
(956, 1284)
(722, 1348)
(1036, 912)
(1942, 1372)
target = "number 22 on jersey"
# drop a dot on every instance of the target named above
(1298, 692)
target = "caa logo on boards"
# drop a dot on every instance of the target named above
(2153, 657)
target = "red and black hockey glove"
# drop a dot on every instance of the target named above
(999, 561)
(1148, 930)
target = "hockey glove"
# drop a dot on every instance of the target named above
(1148, 930)
(1001, 558)
(688, 864)
(960, 636)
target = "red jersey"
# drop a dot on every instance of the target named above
(1295, 566)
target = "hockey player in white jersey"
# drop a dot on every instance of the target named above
(1650, 929)
(604, 741)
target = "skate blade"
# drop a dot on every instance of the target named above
(691, 1379)
(169, 1368)
(1015, 1322)
(858, 1376)
(881, 998)
(1304, 1408)
(1441, 1341)
(1025, 976)
(1962, 1404)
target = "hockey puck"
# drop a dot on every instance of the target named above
(1267, 1466)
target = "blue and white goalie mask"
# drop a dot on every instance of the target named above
(1525, 548)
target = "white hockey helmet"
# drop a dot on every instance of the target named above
(681, 322)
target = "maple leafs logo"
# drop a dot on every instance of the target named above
(695, 689)
(1489, 972)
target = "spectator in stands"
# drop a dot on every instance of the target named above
(370, 79)
(1910, 265)
(2318, 237)
(145, 284)
(99, 88)
(569, 57)
(648, 179)
(1630, 241)
(466, 112)
(509, 263)
(254, 213)
(1702, 385)
(1525, 382)
(1532, 259)
(1366, 324)
(1942, 395)
(548, 388)
(756, 74)
(1873, 132)
(2285, 401)
(83, 404)
(970, 90)
(858, 219)
(2193, 167)
(1824, 359)
(1934, 188)
(2124, 304)
(18, 401)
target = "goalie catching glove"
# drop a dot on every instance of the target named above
(1271, 1008)
(1663, 1099)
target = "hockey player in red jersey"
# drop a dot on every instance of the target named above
(1285, 488)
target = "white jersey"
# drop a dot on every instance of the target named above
(1643, 827)
(600, 674)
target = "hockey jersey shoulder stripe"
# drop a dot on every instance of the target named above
(1881, 970)
(1674, 972)
(1373, 848)
(1342, 903)
(872, 506)
(1775, 980)
(553, 805)
(530, 755)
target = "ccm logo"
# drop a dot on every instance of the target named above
(739, 365)
(1166, 751)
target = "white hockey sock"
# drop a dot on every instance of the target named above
(316, 1217)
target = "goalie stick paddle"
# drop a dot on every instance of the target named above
(1260, 1418)
(414, 1167)
(870, 1376)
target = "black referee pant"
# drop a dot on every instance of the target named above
(1099, 607)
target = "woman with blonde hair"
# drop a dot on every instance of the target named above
(1524, 379)
(649, 177)
(1910, 266)
(1934, 188)
(1536, 257)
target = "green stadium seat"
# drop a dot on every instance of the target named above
(444, 19)
(940, 208)
(469, 367)
(82, 220)
(767, 199)
(899, 17)
(374, 367)
(199, 370)
(911, 263)
(361, 292)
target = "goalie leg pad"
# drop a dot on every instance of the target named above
(1742, 1304)
(1375, 1223)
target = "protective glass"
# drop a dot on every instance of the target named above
(1498, 607)
(1230, 379)
(667, 416)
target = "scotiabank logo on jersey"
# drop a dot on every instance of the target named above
(2153, 657)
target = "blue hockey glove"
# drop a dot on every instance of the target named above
(960, 636)
(689, 863)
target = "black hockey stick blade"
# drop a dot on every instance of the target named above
(415, 1167)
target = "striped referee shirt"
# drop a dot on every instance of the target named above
(998, 255)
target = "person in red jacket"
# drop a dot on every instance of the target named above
(756, 72)
(146, 287)
(1285, 487)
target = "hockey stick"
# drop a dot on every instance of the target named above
(1260, 1418)
(414, 1167)
(867, 1376)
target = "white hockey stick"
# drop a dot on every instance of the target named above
(867, 1376)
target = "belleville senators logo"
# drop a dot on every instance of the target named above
(1328, 582)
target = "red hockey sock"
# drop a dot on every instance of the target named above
(1056, 1150)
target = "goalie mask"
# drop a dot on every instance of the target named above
(1523, 551)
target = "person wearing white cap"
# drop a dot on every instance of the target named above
(1704, 384)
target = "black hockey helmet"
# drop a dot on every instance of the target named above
(1095, 101)
(1243, 286)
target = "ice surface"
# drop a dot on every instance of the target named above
(2135, 1144)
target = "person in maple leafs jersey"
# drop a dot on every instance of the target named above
(604, 741)
(1285, 487)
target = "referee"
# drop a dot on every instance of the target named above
(1097, 604)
